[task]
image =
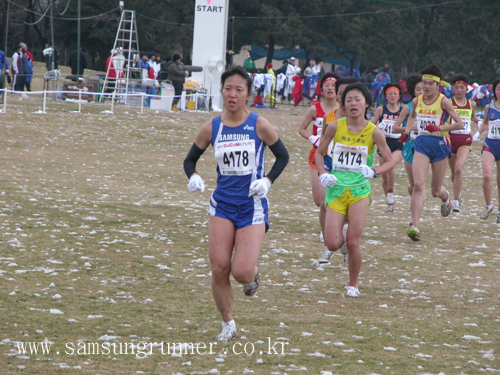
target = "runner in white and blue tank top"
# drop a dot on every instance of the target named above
(491, 148)
(240, 156)
(238, 218)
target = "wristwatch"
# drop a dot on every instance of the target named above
(375, 173)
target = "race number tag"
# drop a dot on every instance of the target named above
(236, 158)
(466, 130)
(386, 127)
(349, 158)
(494, 129)
(424, 120)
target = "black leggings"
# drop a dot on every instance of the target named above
(178, 87)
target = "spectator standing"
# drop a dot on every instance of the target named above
(176, 75)
(28, 65)
(20, 67)
(4, 64)
(309, 71)
(73, 62)
(370, 77)
(382, 78)
(248, 63)
(157, 66)
(389, 71)
(28, 53)
(163, 76)
(111, 72)
(321, 69)
(51, 57)
(291, 71)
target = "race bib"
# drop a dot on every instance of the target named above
(424, 120)
(494, 129)
(466, 130)
(386, 127)
(236, 158)
(349, 158)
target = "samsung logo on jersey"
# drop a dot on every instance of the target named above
(246, 127)
(234, 137)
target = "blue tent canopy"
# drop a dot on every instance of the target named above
(258, 52)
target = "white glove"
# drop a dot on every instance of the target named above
(196, 184)
(367, 172)
(314, 139)
(259, 187)
(327, 179)
(476, 137)
(7, 71)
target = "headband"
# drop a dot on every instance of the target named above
(431, 76)
(392, 88)
(435, 79)
(460, 83)
(330, 79)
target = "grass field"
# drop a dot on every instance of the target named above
(102, 243)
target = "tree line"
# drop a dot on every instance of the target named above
(459, 36)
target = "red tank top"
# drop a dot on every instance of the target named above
(318, 121)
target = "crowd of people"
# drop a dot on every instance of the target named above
(430, 133)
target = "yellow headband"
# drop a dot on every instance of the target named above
(436, 79)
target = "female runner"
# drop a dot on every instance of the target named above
(238, 213)
(348, 190)
(414, 88)
(316, 114)
(461, 140)
(491, 148)
(385, 117)
(432, 145)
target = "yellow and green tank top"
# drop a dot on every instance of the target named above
(350, 152)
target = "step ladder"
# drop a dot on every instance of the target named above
(127, 61)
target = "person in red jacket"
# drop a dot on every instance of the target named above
(111, 72)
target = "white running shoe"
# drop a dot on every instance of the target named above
(228, 331)
(455, 206)
(250, 288)
(446, 206)
(345, 251)
(460, 200)
(325, 255)
(352, 291)
(486, 213)
(321, 238)
(390, 199)
(389, 208)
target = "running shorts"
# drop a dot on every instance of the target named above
(408, 151)
(242, 213)
(458, 141)
(312, 163)
(339, 198)
(435, 148)
(493, 147)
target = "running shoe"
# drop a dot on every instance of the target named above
(228, 331)
(413, 233)
(460, 200)
(321, 238)
(446, 207)
(390, 199)
(486, 213)
(345, 251)
(389, 208)
(325, 255)
(455, 206)
(352, 291)
(250, 288)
